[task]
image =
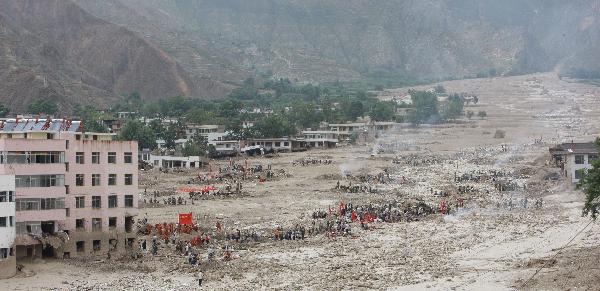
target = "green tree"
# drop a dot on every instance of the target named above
(470, 114)
(274, 126)
(439, 89)
(91, 118)
(590, 184)
(454, 107)
(200, 116)
(383, 111)
(425, 107)
(197, 145)
(481, 114)
(353, 110)
(230, 108)
(169, 136)
(4, 110)
(304, 114)
(133, 102)
(157, 127)
(136, 130)
(42, 106)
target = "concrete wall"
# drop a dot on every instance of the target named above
(120, 168)
(7, 234)
(572, 167)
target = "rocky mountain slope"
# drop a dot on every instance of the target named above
(324, 40)
(54, 49)
(92, 51)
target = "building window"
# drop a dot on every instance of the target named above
(112, 222)
(3, 221)
(112, 201)
(285, 143)
(52, 203)
(112, 179)
(95, 158)
(96, 224)
(80, 245)
(579, 159)
(79, 180)
(80, 202)
(79, 158)
(25, 181)
(591, 158)
(29, 204)
(7, 196)
(128, 179)
(4, 253)
(95, 179)
(112, 158)
(128, 158)
(96, 245)
(22, 157)
(80, 224)
(129, 201)
(277, 144)
(96, 202)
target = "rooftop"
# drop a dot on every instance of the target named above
(575, 147)
(39, 125)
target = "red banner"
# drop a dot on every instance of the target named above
(185, 218)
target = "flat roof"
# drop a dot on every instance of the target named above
(320, 131)
(39, 125)
(348, 124)
(576, 147)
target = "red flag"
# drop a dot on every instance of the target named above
(185, 218)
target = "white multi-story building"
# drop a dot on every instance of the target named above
(574, 158)
(8, 263)
(321, 138)
(203, 130)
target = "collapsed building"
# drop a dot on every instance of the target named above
(76, 193)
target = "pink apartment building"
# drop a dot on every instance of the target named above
(76, 193)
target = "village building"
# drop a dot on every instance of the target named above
(204, 130)
(321, 138)
(170, 162)
(114, 125)
(574, 158)
(283, 144)
(226, 147)
(162, 144)
(8, 262)
(345, 130)
(248, 124)
(76, 193)
(127, 114)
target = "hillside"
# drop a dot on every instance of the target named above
(316, 40)
(80, 51)
(54, 49)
